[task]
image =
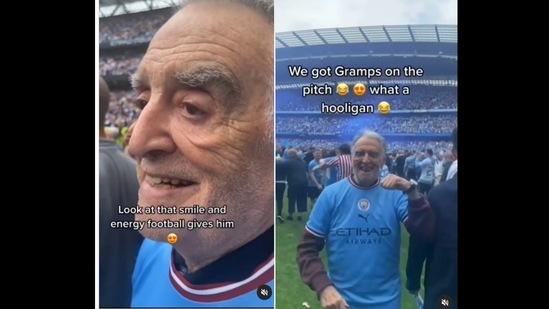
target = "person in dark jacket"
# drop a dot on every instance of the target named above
(118, 247)
(280, 174)
(439, 254)
(297, 178)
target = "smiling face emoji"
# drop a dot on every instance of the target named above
(342, 89)
(359, 89)
(172, 238)
(384, 108)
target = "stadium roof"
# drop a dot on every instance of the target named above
(120, 7)
(372, 34)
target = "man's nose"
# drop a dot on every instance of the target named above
(151, 131)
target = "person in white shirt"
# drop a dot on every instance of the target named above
(454, 167)
(442, 165)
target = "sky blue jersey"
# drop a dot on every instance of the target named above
(157, 283)
(361, 227)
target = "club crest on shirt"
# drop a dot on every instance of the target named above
(363, 204)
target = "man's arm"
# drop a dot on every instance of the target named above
(327, 164)
(312, 270)
(313, 179)
(311, 175)
(421, 219)
(414, 209)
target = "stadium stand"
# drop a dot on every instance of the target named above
(125, 29)
(424, 118)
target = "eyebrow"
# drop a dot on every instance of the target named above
(137, 81)
(204, 75)
(211, 75)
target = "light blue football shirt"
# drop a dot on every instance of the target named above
(157, 283)
(361, 227)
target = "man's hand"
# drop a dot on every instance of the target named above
(331, 299)
(393, 182)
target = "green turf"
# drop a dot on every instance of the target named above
(291, 292)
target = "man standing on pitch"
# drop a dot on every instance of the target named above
(359, 219)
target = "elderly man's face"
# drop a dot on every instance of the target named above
(204, 135)
(368, 159)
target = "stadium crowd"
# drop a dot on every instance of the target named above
(131, 29)
(415, 124)
(305, 145)
(122, 110)
(120, 65)
(420, 97)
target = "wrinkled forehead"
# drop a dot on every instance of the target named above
(368, 143)
(214, 31)
(210, 22)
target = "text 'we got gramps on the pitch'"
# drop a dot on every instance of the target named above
(359, 88)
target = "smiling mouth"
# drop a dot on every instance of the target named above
(366, 168)
(167, 183)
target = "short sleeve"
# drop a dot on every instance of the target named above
(311, 166)
(320, 218)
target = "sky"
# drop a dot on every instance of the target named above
(293, 15)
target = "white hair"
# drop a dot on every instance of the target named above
(370, 134)
(264, 7)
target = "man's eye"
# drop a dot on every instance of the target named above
(140, 103)
(192, 110)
